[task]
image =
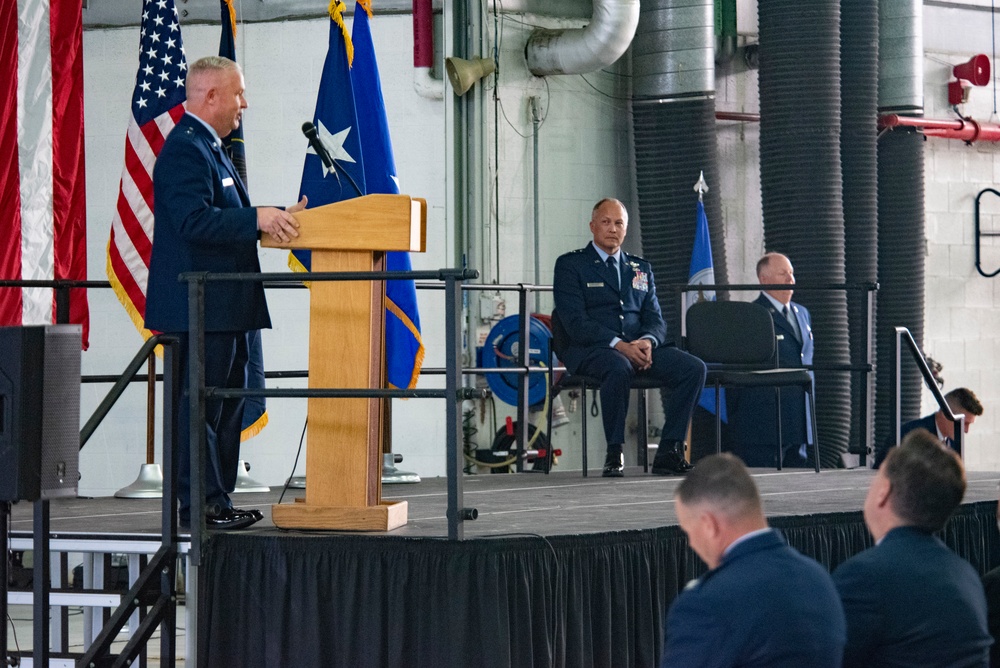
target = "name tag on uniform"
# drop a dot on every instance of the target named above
(780, 337)
(595, 285)
(226, 182)
(640, 281)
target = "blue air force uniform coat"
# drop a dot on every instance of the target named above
(208, 226)
(204, 222)
(911, 601)
(751, 411)
(594, 309)
(764, 605)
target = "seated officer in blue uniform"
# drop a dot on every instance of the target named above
(753, 430)
(606, 301)
(761, 603)
(960, 400)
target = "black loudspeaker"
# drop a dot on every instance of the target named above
(39, 412)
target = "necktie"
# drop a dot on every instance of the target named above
(791, 319)
(613, 269)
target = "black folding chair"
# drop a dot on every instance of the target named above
(736, 341)
(560, 341)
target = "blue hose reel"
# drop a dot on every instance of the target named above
(501, 350)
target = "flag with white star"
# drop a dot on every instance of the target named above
(157, 104)
(337, 124)
(404, 347)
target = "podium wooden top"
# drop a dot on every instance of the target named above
(372, 223)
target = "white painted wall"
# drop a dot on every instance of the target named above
(962, 307)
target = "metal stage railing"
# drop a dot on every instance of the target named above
(904, 339)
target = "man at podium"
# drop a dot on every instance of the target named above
(204, 222)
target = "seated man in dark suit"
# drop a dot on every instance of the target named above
(762, 603)
(606, 300)
(910, 600)
(959, 400)
(752, 428)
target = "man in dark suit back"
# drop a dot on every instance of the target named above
(752, 426)
(910, 600)
(960, 400)
(204, 222)
(761, 603)
(606, 301)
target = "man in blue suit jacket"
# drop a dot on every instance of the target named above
(606, 301)
(204, 222)
(910, 600)
(752, 427)
(960, 400)
(761, 603)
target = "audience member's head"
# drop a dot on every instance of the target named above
(920, 484)
(960, 400)
(609, 224)
(716, 503)
(774, 268)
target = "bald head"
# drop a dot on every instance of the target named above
(215, 90)
(775, 268)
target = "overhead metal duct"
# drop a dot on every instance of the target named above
(859, 156)
(579, 50)
(801, 185)
(673, 121)
(901, 56)
(901, 247)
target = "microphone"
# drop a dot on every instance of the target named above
(309, 130)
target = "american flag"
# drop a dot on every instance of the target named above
(157, 105)
(42, 186)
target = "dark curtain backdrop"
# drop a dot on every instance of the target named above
(518, 601)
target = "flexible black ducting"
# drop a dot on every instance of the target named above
(858, 155)
(674, 143)
(900, 270)
(801, 185)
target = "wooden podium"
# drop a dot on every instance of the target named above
(346, 350)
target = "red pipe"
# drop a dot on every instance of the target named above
(737, 116)
(965, 129)
(423, 34)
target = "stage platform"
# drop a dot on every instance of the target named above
(561, 503)
(558, 570)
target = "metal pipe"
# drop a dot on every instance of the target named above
(423, 52)
(737, 116)
(580, 50)
(966, 129)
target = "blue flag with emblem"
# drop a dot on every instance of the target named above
(702, 272)
(336, 123)
(404, 348)
(255, 409)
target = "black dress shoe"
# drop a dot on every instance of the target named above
(670, 459)
(614, 465)
(253, 512)
(223, 520)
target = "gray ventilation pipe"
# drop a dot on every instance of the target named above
(581, 50)
(901, 219)
(901, 57)
(673, 52)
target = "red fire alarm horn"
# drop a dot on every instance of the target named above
(976, 71)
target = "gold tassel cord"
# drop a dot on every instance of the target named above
(232, 15)
(337, 9)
